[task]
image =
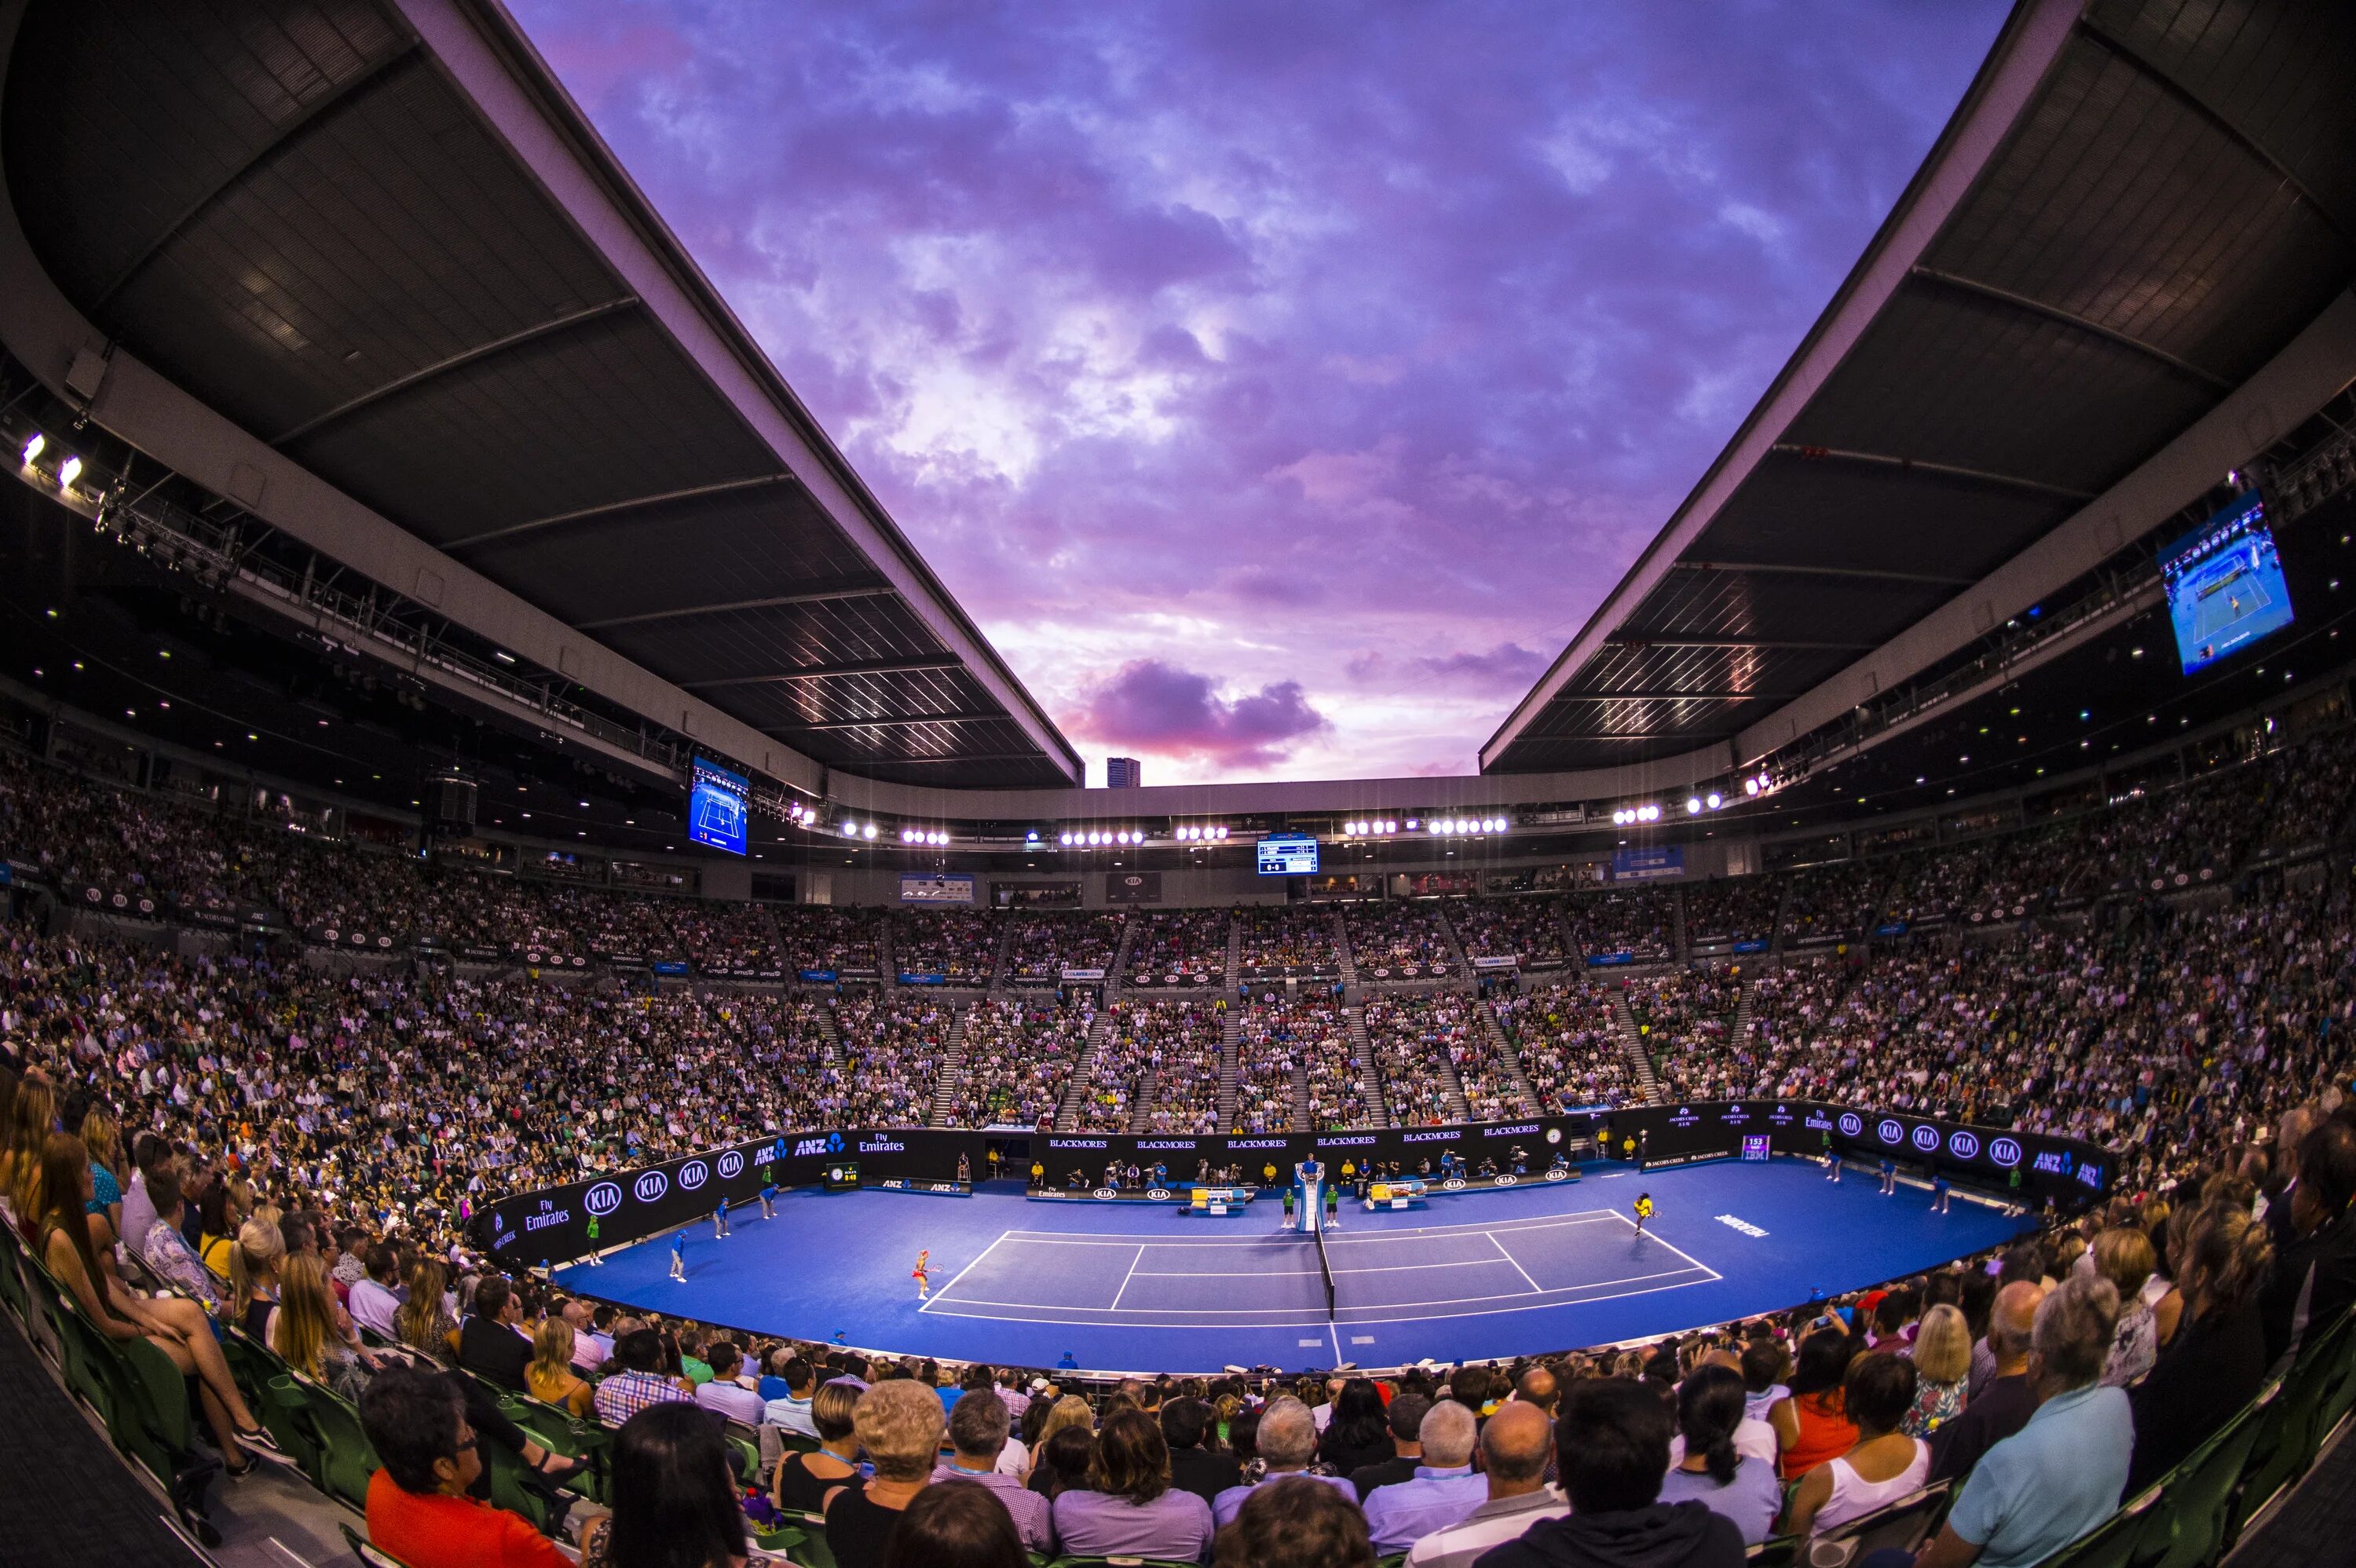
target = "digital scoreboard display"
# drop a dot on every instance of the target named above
(1287, 855)
(715, 807)
(2225, 587)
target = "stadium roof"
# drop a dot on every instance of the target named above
(457, 351)
(2142, 210)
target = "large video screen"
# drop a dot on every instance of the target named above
(1287, 855)
(2225, 587)
(715, 807)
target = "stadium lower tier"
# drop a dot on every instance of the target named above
(1121, 1287)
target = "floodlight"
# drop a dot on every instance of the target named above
(33, 447)
(68, 472)
(1713, 800)
(868, 831)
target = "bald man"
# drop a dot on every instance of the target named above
(1538, 1386)
(1516, 1446)
(2005, 1405)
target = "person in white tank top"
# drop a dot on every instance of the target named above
(1883, 1466)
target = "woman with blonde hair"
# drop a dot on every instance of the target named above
(1943, 1365)
(253, 1260)
(32, 1117)
(103, 1138)
(549, 1378)
(423, 1321)
(309, 1335)
(2126, 1258)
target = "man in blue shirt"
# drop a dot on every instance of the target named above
(2062, 1474)
(1444, 1489)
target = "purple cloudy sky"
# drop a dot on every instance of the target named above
(1280, 386)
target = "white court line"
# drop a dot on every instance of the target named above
(1309, 1322)
(1397, 1268)
(1188, 1311)
(1273, 1238)
(960, 1274)
(1126, 1278)
(1230, 1273)
(1648, 1235)
(1517, 1263)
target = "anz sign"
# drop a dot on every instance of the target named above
(830, 1144)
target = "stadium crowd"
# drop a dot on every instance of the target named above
(1191, 945)
(297, 1150)
(1387, 939)
(1045, 945)
(1568, 1037)
(1527, 929)
(1278, 941)
(960, 946)
(1017, 1055)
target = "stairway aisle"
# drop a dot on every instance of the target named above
(952, 1067)
(1633, 1045)
(1370, 1078)
(1075, 1087)
(1511, 1058)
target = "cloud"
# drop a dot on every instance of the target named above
(1255, 339)
(1158, 708)
(1508, 668)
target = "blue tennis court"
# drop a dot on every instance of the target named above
(1152, 1280)
(1132, 1286)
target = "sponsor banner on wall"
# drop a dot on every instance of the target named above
(117, 900)
(1132, 886)
(1083, 974)
(1499, 961)
(1648, 864)
(922, 977)
(950, 889)
(345, 940)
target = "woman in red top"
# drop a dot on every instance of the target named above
(1812, 1424)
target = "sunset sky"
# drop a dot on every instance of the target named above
(1280, 386)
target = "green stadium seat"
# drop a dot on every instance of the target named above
(2287, 1444)
(2119, 1541)
(284, 1413)
(814, 1553)
(345, 1458)
(369, 1554)
(1775, 1552)
(1904, 1524)
(2197, 1497)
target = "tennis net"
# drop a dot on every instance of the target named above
(1326, 1268)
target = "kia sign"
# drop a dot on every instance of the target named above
(1890, 1131)
(693, 1173)
(603, 1199)
(1851, 1123)
(2006, 1152)
(649, 1186)
(1964, 1143)
(731, 1165)
(1926, 1138)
